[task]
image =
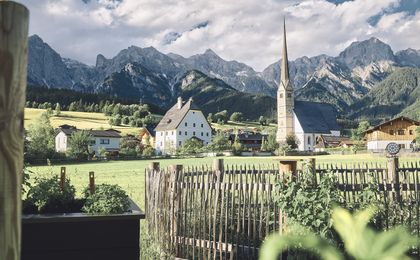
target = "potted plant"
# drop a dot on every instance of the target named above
(104, 224)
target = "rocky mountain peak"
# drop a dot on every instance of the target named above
(363, 53)
(100, 60)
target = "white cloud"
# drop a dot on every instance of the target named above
(249, 31)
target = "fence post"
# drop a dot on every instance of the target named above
(14, 19)
(92, 182)
(393, 176)
(219, 168)
(175, 200)
(153, 167)
(62, 177)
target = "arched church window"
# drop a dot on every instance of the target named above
(309, 140)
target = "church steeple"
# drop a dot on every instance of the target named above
(285, 98)
(285, 62)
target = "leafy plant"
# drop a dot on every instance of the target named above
(107, 199)
(307, 204)
(79, 144)
(360, 241)
(48, 197)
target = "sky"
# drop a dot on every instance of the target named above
(249, 31)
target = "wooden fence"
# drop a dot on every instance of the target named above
(225, 212)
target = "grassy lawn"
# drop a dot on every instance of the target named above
(130, 174)
(82, 120)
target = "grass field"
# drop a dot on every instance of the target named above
(130, 174)
(82, 120)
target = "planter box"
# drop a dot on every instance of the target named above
(82, 236)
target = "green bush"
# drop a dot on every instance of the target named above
(46, 195)
(107, 199)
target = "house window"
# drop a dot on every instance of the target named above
(193, 124)
(401, 132)
(173, 132)
(186, 133)
(104, 141)
(289, 95)
(92, 142)
(207, 134)
(281, 95)
(186, 124)
(180, 133)
(410, 132)
(194, 133)
(161, 133)
(309, 140)
(180, 143)
(402, 146)
(202, 134)
(391, 132)
(202, 125)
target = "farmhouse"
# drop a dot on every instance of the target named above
(147, 136)
(107, 139)
(250, 141)
(400, 130)
(305, 120)
(183, 121)
(330, 141)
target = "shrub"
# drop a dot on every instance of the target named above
(46, 195)
(236, 117)
(149, 151)
(107, 199)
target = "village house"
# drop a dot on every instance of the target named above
(180, 123)
(307, 121)
(147, 136)
(106, 139)
(400, 130)
(250, 141)
(330, 141)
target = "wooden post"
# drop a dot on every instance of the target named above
(312, 165)
(62, 177)
(14, 19)
(218, 168)
(393, 177)
(176, 171)
(153, 167)
(92, 182)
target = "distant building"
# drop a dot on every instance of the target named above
(147, 136)
(183, 121)
(330, 141)
(400, 130)
(107, 139)
(305, 120)
(249, 141)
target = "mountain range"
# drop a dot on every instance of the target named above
(158, 78)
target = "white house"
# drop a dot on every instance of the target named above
(305, 120)
(183, 121)
(107, 139)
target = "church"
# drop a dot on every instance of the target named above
(307, 121)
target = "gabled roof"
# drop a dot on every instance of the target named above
(95, 133)
(174, 116)
(248, 137)
(314, 117)
(334, 139)
(414, 122)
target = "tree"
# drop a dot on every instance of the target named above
(262, 120)
(236, 117)
(111, 121)
(221, 117)
(117, 119)
(264, 145)
(219, 143)
(73, 106)
(149, 151)
(191, 146)
(418, 135)
(236, 146)
(41, 136)
(210, 118)
(79, 145)
(125, 120)
(272, 144)
(358, 133)
(57, 109)
(292, 141)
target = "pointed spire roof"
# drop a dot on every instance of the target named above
(285, 62)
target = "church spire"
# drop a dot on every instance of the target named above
(284, 62)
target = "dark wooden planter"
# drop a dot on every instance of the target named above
(82, 236)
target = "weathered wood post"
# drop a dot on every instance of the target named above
(153, 167)
(218, 168)
(176, 171)
(393, 176)
(14, 19)
(92, 182)
(62, 177)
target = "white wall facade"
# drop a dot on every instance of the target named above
(109, 143)
(61, 142)
(381, 145)
(193, 124)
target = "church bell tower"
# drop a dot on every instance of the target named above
(285, 98)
